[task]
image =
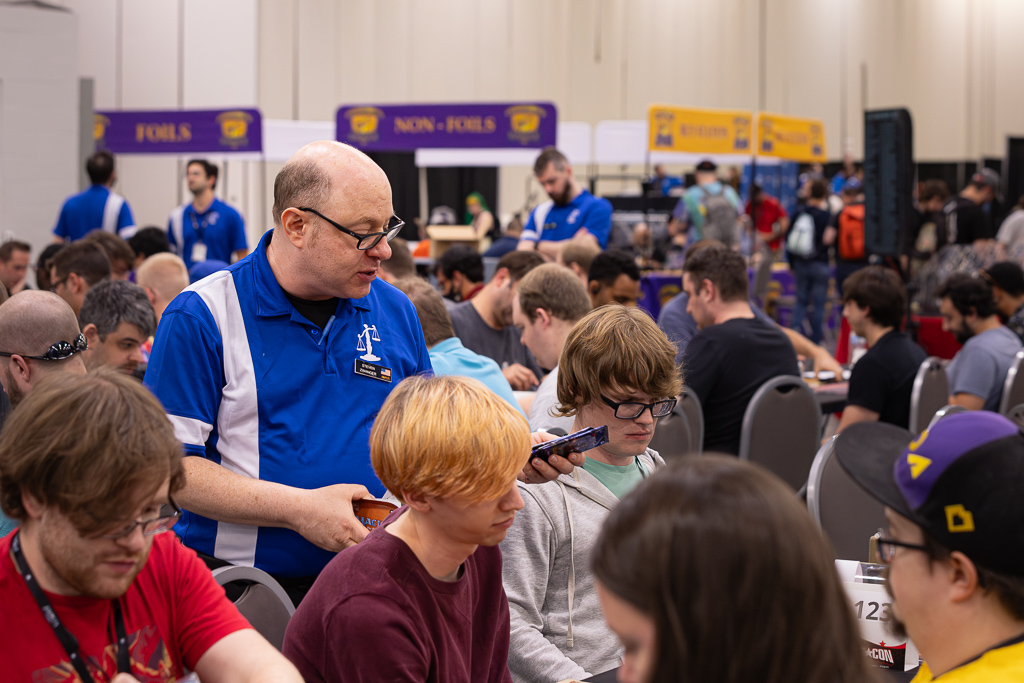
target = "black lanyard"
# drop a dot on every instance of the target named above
(66, 638)
(195, 225)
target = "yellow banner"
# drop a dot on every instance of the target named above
(700, 131)
(788, 137)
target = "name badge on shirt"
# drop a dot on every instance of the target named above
(198, 252)
(374, 371)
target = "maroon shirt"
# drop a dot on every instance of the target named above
(375, 614)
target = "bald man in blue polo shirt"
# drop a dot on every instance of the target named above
(273, 370)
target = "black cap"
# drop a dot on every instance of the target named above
(1007, 276)
(707, 165)
(986, 177)
(959, 481)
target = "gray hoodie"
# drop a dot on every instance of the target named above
(546, 566)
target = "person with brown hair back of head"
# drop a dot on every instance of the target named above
(701, 563)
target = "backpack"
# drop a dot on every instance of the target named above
(720, 218)
(801, 237)
(851, 233)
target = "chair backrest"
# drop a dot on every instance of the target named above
(672, 437)
(264, 602)
(782, 428)
(846, 514)
(944, 411)
(689, 406)
(930, 392)
(1013, 386)
(1016, 414)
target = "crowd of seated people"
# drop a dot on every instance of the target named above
(284, 388)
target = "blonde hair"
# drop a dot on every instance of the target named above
(448, 437)
(616, 346)
(164, 273)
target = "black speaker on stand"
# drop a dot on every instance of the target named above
(889, 190)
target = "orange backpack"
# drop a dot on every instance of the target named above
(851, 233)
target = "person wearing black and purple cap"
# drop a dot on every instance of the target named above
(955, 542)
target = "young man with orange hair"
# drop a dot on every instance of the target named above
(421, 598)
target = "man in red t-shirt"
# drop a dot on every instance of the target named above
(421, 599)
(89, 466)
(770, 219)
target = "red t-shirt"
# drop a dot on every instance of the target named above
(768, 212)
(375, 614)
(173, 612)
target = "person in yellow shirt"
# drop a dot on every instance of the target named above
(955, 542)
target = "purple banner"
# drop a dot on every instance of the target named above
(408, 127)
(179, 132)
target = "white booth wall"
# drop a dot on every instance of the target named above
(957, 64)
(38, 119)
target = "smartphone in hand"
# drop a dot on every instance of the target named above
(577, 442)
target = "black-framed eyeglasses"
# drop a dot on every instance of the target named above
(58, 283)
(631, 410)
(166, 517)
(370, 240)
(887, 546)
(58, 351)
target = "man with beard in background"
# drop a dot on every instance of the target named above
(977, 372)
(571, 213)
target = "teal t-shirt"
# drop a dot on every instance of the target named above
(619, 479)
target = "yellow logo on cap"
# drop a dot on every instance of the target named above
(918, 464)
(958, 519)
(916, 443)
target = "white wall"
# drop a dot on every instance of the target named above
(38, 120)
(958, 65)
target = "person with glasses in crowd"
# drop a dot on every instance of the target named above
(272, 372)
(92, 590)
(955, 542)
(77, 268)
(712, 570)
(616, 370)
(39, 337)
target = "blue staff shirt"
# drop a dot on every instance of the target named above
(558, 223)
(97, 207)
(221, 228)
(252, 385)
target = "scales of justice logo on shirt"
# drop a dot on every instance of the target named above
(365, 364)
(365, 342)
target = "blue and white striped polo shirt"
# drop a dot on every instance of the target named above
(97, 207)
(251, 384)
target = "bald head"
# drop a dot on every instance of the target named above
(321, 169)
(32, 321)
(163, 276)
